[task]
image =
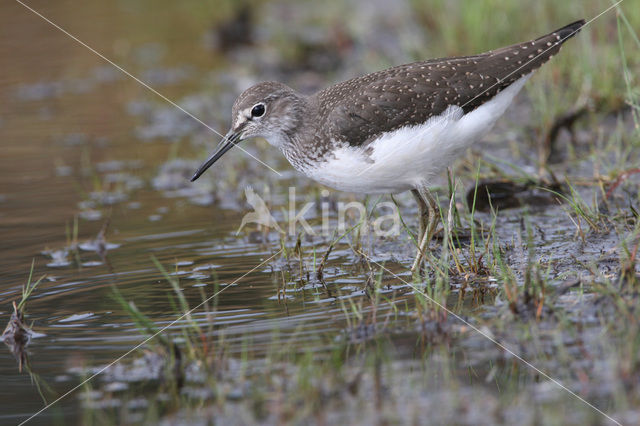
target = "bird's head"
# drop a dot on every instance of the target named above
(269, 110)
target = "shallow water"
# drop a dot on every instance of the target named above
(83, 144)
(63, 123)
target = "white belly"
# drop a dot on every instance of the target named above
(411, 156)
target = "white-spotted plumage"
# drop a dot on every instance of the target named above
(412, 155)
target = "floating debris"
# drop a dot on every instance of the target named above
(100, 245)
(59, 258)
(108, 198)
(77, 317)
(90, 214)
(17, 334)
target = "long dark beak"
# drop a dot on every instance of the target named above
(225, 145)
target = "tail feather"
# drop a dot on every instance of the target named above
(568, 31)
(507, 65)
(521, 59)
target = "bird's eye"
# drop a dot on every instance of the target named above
(257, 110)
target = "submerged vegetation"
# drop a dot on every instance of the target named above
(525, 311)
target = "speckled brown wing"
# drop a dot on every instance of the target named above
(413, 93)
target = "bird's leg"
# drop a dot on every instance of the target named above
(431, 223)
(423, 212)
(434, 216)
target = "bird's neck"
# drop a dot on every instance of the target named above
(298, 140)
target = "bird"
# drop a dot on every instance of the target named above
(393, 130)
